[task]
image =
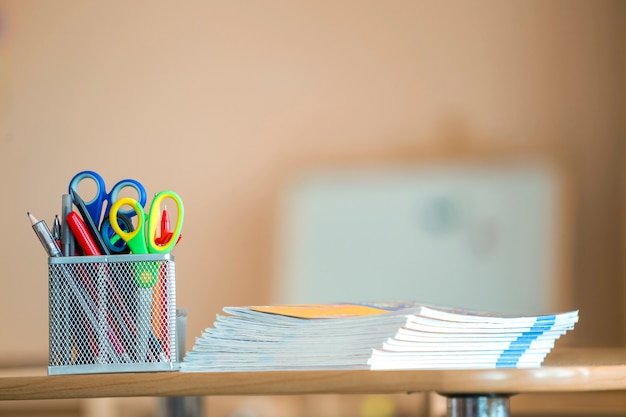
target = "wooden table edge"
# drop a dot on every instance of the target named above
(565, 370)
(545, 379)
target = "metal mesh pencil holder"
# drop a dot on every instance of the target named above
(112, 314)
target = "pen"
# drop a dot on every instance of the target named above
(80, 231)
(44, 235)
(48, 242)
(52, 248)
(56, 230)
(67, 239)
(91, 226)
(68, 247)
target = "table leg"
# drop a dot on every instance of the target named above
(180, 407)
(478, 405)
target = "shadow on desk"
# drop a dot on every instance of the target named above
(597, 404)
(83, 407)
(86, 407)
(573, 404)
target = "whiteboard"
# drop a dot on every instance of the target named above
(478, 236)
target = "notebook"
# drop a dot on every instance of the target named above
(376, 336)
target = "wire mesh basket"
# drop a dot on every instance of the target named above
(112, 314)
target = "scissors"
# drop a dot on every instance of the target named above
(143, 240)
(97, 204)
(112, 240)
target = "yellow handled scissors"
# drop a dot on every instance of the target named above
(142, 240)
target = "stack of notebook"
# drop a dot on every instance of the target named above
(373, 336)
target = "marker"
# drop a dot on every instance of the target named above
(166, 232)
(103, 343)
(78, 227)
(43, 233)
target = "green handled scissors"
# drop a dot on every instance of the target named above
(142, 240)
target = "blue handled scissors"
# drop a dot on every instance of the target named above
(142, 240)
(100, 214)
(112, 240)
(96, 205)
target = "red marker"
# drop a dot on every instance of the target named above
(166, 232)
(80, 231)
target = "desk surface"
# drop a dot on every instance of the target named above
(564, 370)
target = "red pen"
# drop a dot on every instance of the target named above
(80, 231)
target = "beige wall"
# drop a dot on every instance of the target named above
(223, 101)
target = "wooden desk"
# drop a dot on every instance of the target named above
(486, 392)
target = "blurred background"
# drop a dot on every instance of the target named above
(489, 134)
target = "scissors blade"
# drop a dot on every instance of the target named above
(144, 327)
